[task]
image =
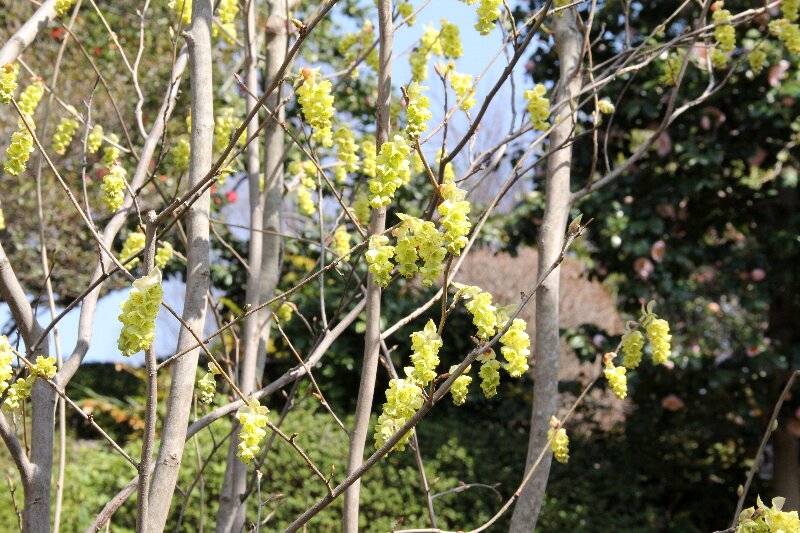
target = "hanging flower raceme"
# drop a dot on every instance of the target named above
(757, 58)
(559, 441)
(207, 385)
(253, 418)
(44, 367)
(19, 151)
(538, 107)
(605, 106)
(480, 307)
(225, 124)
(65, 131)
(6, 361)
(379, 257)
(392, 171)
(111, 152)
(305, 172)
(431, 250)
(94, 139)
(29, 99)
(489, 373)
(113, 187)
(615, 376)
(345, 152)
(763, 519)
(460, 386)
(139, 313)
(354, 45)
(316, 101)
(182, 8)
(488, 13)
(657, 330)
(403, 399)
(454, 211)
(790, 10)
(361, 207)
(18, 392)
(8, 81)
(724, 35)
(515, 348)
(164, 254)
(450, 37)
(369, 158)
(405, 10)
(418, 112)
(226, 12)
(134, 243)
(632, 346)
(425, 346)
(462, 85)
(429, 43)
(788, 33)
(285, 312)
(341, 241)
(406, 248)
(180, 154)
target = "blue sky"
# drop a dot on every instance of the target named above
(478, 51)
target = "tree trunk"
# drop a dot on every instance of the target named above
(787, 469)
(184, 370)
(568, 41)
(372, 336)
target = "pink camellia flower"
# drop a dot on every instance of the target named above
(713, 307)
(758, 274)
(232, 196)
(643, 267)
(672, 403)
(657, 250)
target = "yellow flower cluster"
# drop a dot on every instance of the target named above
(632, 346)
(559, 441)
(19, 392)
(615, 376)
(2, 220)
(6, 360)
(454, 211)
(488, 13)
(227, 11)
(345, 152)
(724, 33)
(316, 101)
(489, 373)
(207, 385)
(403, 399)
(450, 40)
(225, 124)
(672, 66)
(94, 139)
(605, 106)
(19, 151)
(392, 170)
(62, 6)
(253, 418)
(657, 331)
(353, 45)
(134, 243)
(341, 241)
(285, 312)
(788, 33)
(790, 9)
(516, 348)
(757, 59)
(139, 313)
(305, 172)
(361, 207)
(369, 158)
(460, 386)
(425, 346)
(164, 254)
(465, 92)
(379, 257)
(763, 519)
(443, 43)
(480, 306)
(418, 112)
(8, 81)
(180, 154)
(405, 9)
(111, 152)
(182, 8)
(113, 187)
(29, 99)
(44, 367)
(538, 107)
(62, 137)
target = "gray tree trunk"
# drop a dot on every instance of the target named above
(184, 370)
(568, 41)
